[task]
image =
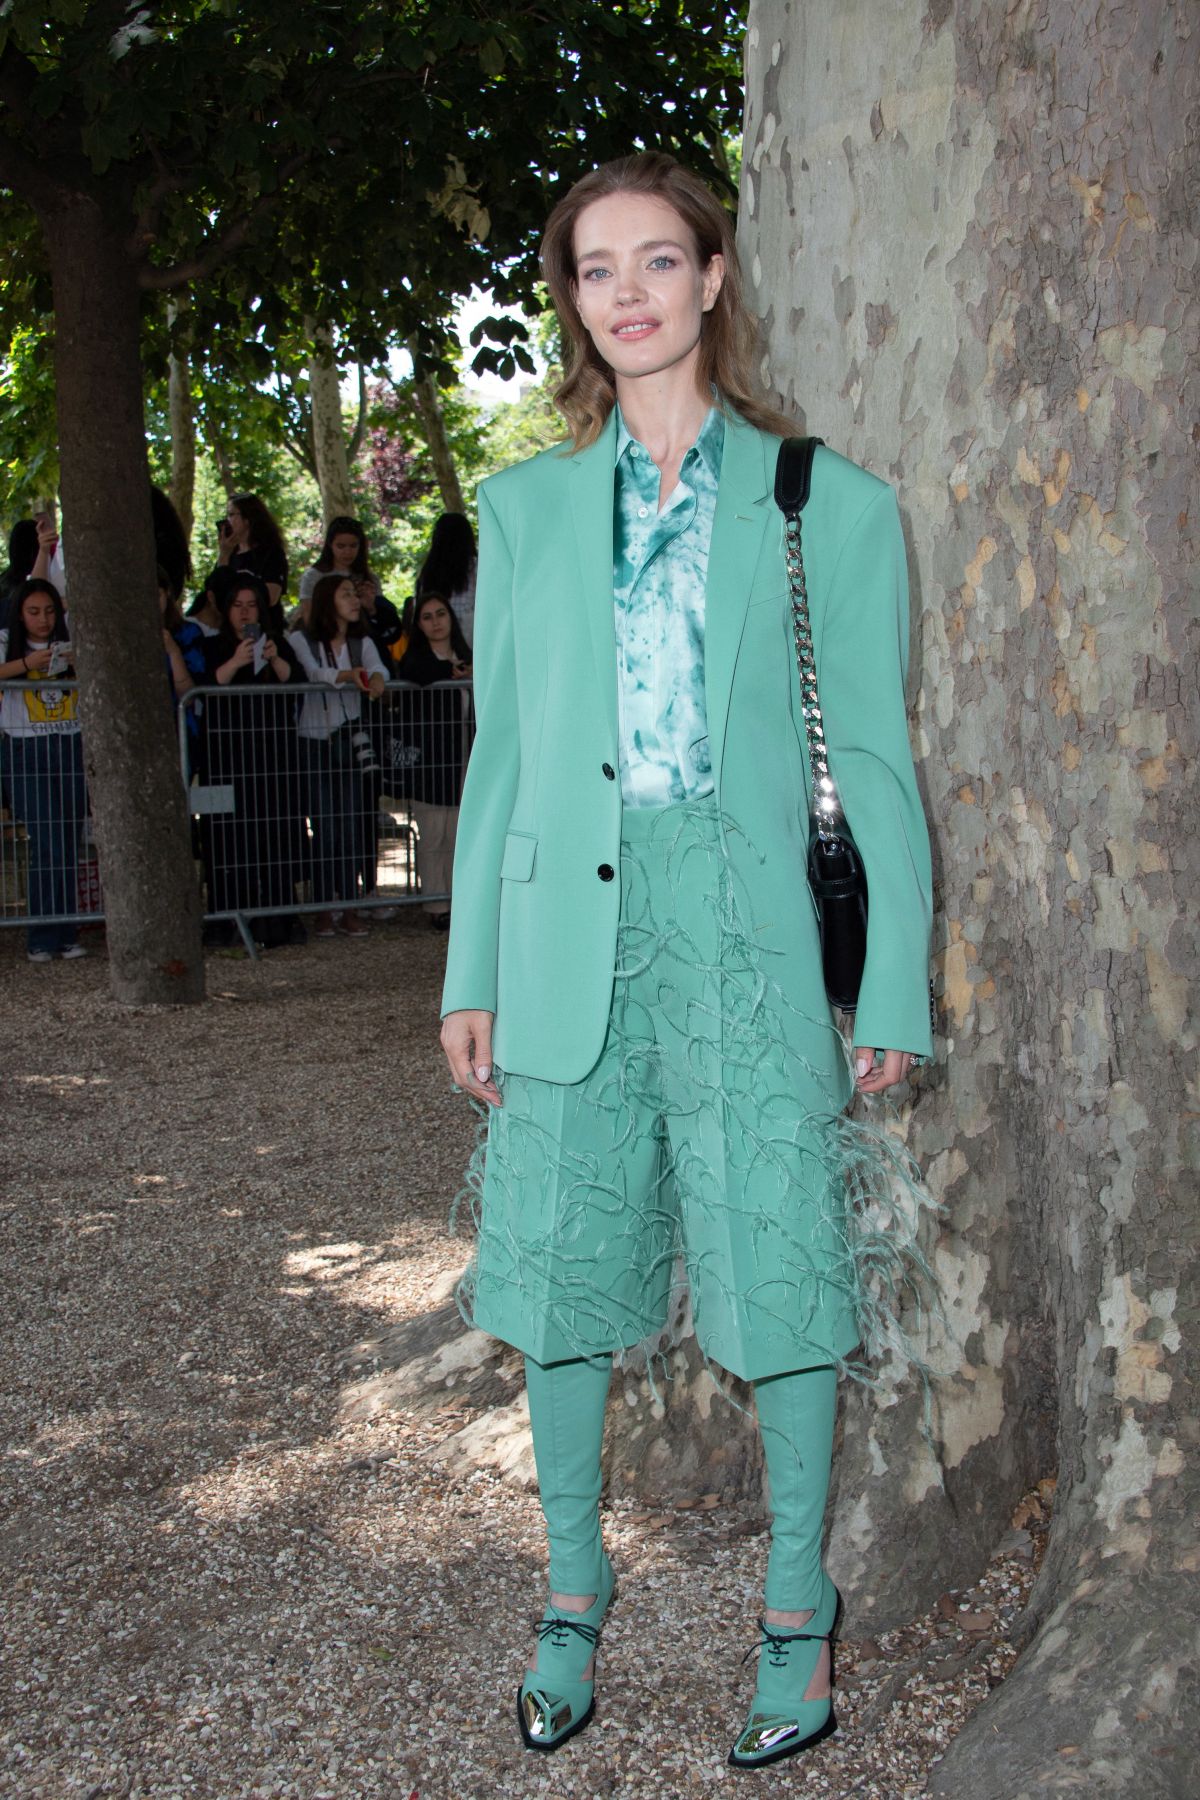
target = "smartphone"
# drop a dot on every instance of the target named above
(223, 528)
(44, 509)
(253, 632)
(61, 657)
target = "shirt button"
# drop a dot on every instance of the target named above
(643, 512)
(606, 871)
(606, 769)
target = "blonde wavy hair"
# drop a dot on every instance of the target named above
(728, 334)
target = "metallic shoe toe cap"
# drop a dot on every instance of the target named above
(765, 1734)
(546, 1715)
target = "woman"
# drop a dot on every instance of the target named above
(449, 568)
(633, 944)
(437, 652)
(44, 762)
(251, 543)
(247, 739)
(344, 552)
(336, 653)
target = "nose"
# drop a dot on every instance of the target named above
(630, 287)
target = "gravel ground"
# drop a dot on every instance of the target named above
(215, 1583)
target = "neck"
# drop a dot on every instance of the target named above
(664, 411)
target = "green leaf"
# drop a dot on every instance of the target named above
(491, 56)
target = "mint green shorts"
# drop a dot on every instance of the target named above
(702, 1139)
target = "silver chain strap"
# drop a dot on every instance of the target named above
(827, 808)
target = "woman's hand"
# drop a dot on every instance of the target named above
(225, 543)
(243, 655)
(467, 1041)
(38, 661)
(353, 676)
(461, 671)
(872, 1079)
(281, 668)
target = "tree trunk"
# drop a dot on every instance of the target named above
(152, 904)
(328, 431)
(978, 280)
(429, 405)
(183, 434)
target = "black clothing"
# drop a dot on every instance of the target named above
(431, 727)
(250, 748)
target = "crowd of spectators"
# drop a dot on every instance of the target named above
(305, 722)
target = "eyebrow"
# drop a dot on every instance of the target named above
(649, 244)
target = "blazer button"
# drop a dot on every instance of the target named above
(606, 871)
(607, 770)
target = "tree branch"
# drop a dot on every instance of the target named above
(220, 249)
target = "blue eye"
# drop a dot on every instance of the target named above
(589, 274)
(663, 262)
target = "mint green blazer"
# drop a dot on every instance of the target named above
(534, 929)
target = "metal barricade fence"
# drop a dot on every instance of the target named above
(49, 879)
(305, 798)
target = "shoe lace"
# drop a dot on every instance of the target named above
(774, 1643)
(555, 1629)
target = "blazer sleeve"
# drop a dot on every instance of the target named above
(864, 664)
(490, 789)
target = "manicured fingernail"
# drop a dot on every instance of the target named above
(483, 1071)
(862, 1065)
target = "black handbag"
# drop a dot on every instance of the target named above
(836, 876)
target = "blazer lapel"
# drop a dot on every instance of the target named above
(590, 479)
(745, 506)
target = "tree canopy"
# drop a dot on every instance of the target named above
(360, 163)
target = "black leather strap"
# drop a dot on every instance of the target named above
(793, 472)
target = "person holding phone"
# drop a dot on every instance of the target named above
(49, 563)
(336, 654)
(247, 739)
(251, 543)
(634, 982)
(44, 762)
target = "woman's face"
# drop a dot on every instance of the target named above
(37, 616)
(237, 522)
(243, 611)
(434, 620)
(346, 603)
(344, 549)
(163, 601)
(639, 287)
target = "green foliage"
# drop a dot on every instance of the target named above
(361, 162)
(28, 433)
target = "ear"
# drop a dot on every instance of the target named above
(713, 280)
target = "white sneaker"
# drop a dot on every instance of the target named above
(73, 952)
(40, 956)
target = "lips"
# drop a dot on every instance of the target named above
(631, 330)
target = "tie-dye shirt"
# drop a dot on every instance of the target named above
(660, 565)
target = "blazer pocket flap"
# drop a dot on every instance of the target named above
(519, 852)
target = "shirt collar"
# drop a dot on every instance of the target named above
(710, 441)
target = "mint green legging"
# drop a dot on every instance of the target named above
(796, 1414)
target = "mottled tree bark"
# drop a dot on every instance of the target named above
(151, 900)
(429, 406)
(328, 431)
(970, 233)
